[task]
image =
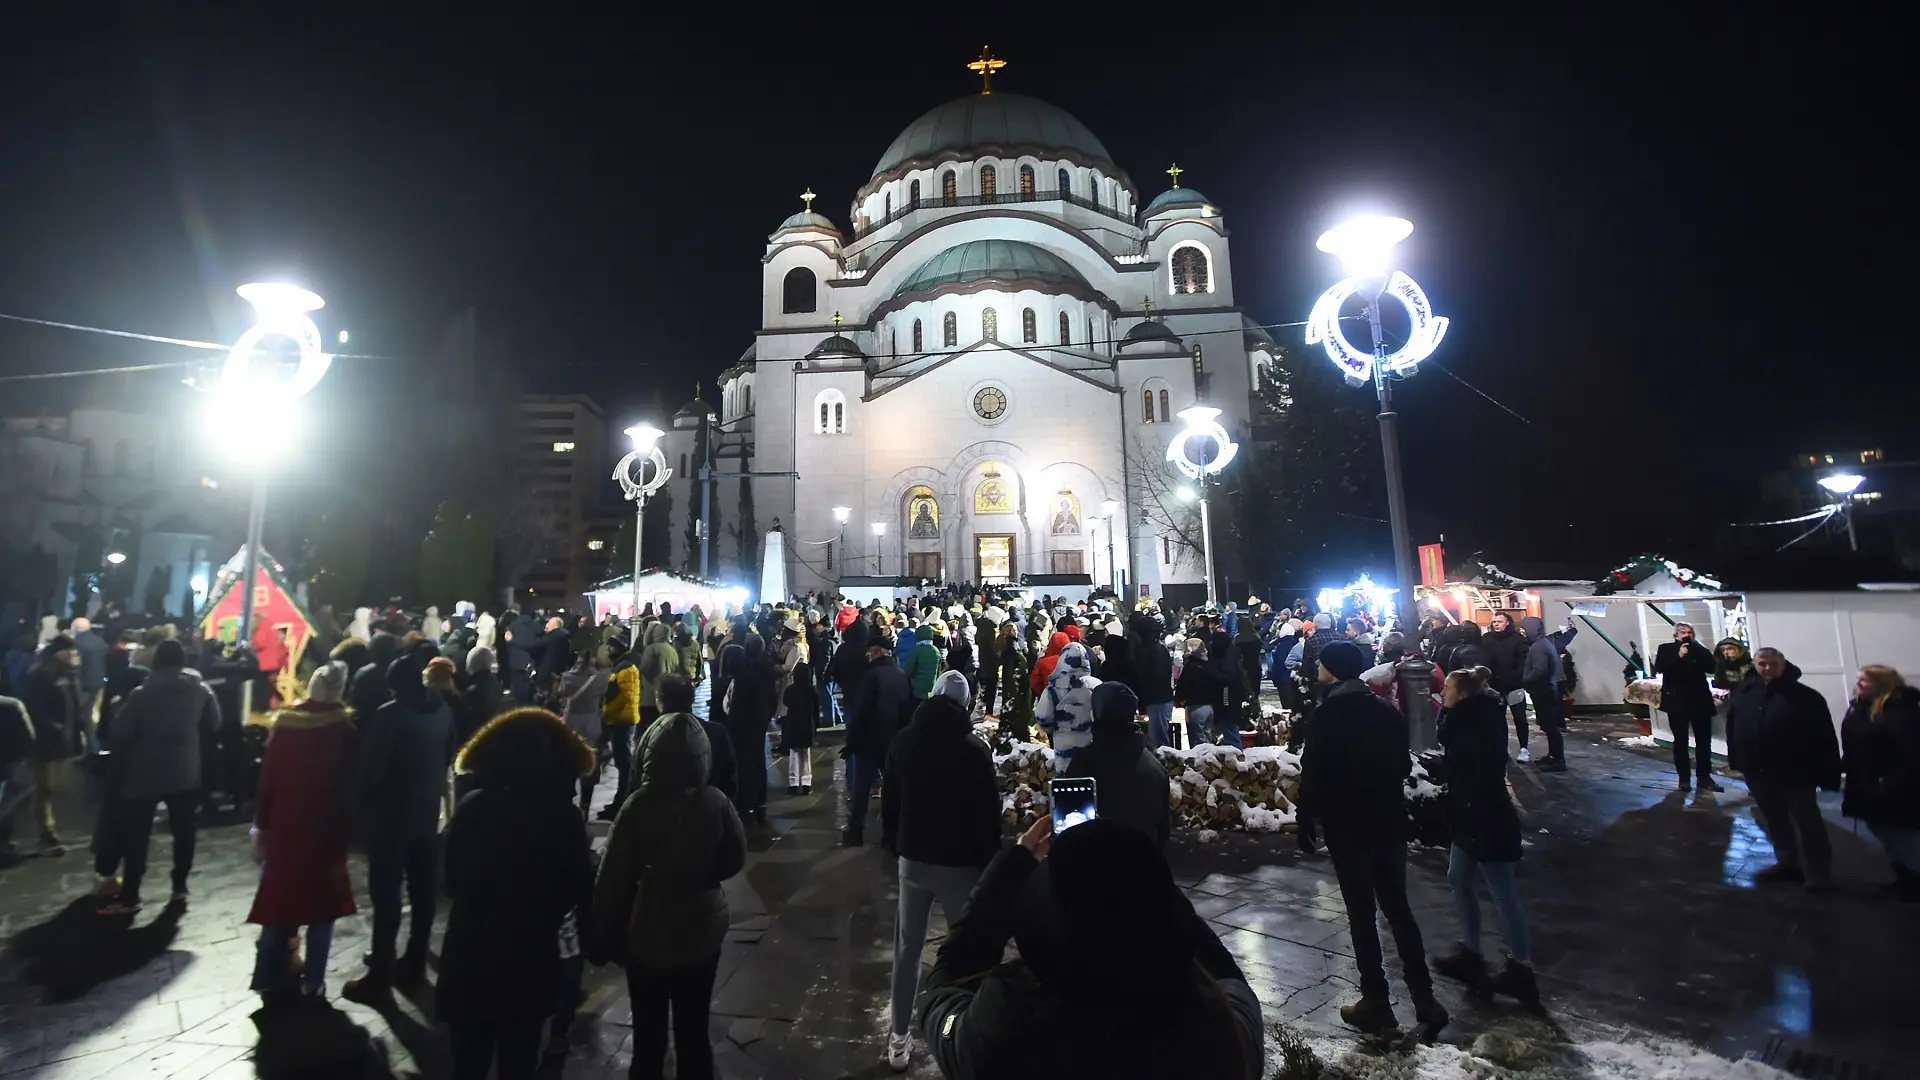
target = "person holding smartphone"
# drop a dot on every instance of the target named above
(1092, 995)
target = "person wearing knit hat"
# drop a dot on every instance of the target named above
(1352, 786)
(940, 817)
(328, 683)
(1344, 660)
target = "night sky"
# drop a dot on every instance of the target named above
(1658, 239)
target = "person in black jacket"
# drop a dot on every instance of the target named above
(1880, 754)
(1506, 650)
(517, 862)
(1130, 785)
(1486, 834)
(1684, 666)
(880, 700)
(940, 817)
(676, 696)
(522, 637)
(1117, 975)
(1352, 788)
(368, 690)
(750, 698)
(400, 778)
(55, 703)
(1150, 671)
(1780, 736)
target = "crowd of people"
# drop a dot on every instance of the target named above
(462, 756)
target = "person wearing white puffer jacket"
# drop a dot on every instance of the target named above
(1065, 707)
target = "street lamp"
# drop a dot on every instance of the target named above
(246, 398)
(116, 557)
(879, 556)
(1844, 485)
(841, 515)
(631, 472)
(1196, 464)
(1107, 510)
(1364, 246)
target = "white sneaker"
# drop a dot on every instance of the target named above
(1523, 756)
(899, 1051)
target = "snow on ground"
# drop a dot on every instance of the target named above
(1643, 741)
(1497, 1057)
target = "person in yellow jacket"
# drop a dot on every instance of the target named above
(619, 716)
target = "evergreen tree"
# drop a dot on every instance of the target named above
(456, 557)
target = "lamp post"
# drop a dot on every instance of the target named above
(1844, 485)
(1197, 464)
(841, 515)
(1107, 510)
(879, 556)
(246, 397)
(1364, 246)
(631, 472)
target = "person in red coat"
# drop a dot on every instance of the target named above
(301, 826)
(270, 656)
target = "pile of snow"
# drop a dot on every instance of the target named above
(1643, 741)
(1505, 1058)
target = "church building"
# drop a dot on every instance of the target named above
(982, 372)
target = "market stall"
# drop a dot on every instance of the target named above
(276, 612)
(616, 597)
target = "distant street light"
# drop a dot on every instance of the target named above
(879, 556)
(841, 515)
(631, 472)
(116, 557)
(1364, 246)
(1185, 454)
(1844, 485)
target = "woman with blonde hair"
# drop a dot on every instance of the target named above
(1486, 835)
(1880, 755)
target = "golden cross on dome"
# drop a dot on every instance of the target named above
(836, 320)
(985, 68)
(1174, 171)
(807, 197)
(1147, 303)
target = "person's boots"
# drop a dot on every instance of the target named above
(1430, 1015)
(1464, 965)
(1516, 981)
(1708, 783)
(1779, 872)
(1373, 1015)
(851, 838)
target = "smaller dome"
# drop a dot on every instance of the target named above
(835, 346)
(806, 219)
(1151, 331)
(1180, 196)
(991, 260)
(691, 408)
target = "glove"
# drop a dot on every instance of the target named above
(846, 753)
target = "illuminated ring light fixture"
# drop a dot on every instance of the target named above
(1201, 424)
(279, 311)
(1323, 329)
(627, 475)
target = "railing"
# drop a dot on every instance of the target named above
(1002, 199)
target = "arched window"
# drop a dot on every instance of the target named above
(1029, 326)
(950, 330)
(893, 342)
(989, 182)
(799, 292)
(949, 187)
(1146, 406)
(917, 345)
(683, 464)
(746, 401)
(889, 205)
(1026, 181)
(913, 194)
(990, 324)
(1066, 329)
(1153, 402)
(1189, 269)
(1066, 183)
(830, 413)
(1093, 188)
(1163, 406)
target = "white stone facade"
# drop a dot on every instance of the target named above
(1053, 420)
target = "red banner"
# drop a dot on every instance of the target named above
(1433, 566)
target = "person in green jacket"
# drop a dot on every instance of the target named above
(924, 663)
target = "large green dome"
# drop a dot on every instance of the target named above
(1006, 122)
(991, 260)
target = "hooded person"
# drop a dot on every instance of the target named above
(1043, 667)
(877, 707)
(1352, 789)
(361, 625)
(368, 690)
(481, 695)
(940, 818)
(924, 662)
(750, 698)
(1130, 785)
(658, 907)
(432, 627)
(1150, 667)
(1065, 708)
(658, 660)
(1540, 676)
(517, 862)
(1732, 663)
(484, 631)
(302, 826)
(1090, 994)
(400, 777)
(155, 743)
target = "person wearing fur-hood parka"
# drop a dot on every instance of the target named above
(517, 861)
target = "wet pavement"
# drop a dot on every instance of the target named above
(1646, 926)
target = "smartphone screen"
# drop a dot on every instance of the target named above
(1073, 802)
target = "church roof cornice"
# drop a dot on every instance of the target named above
(1079, 292)
(995, 212)
(1000, 152)
(977, 346)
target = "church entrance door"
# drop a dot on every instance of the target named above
(993, 558)
(924, 564)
